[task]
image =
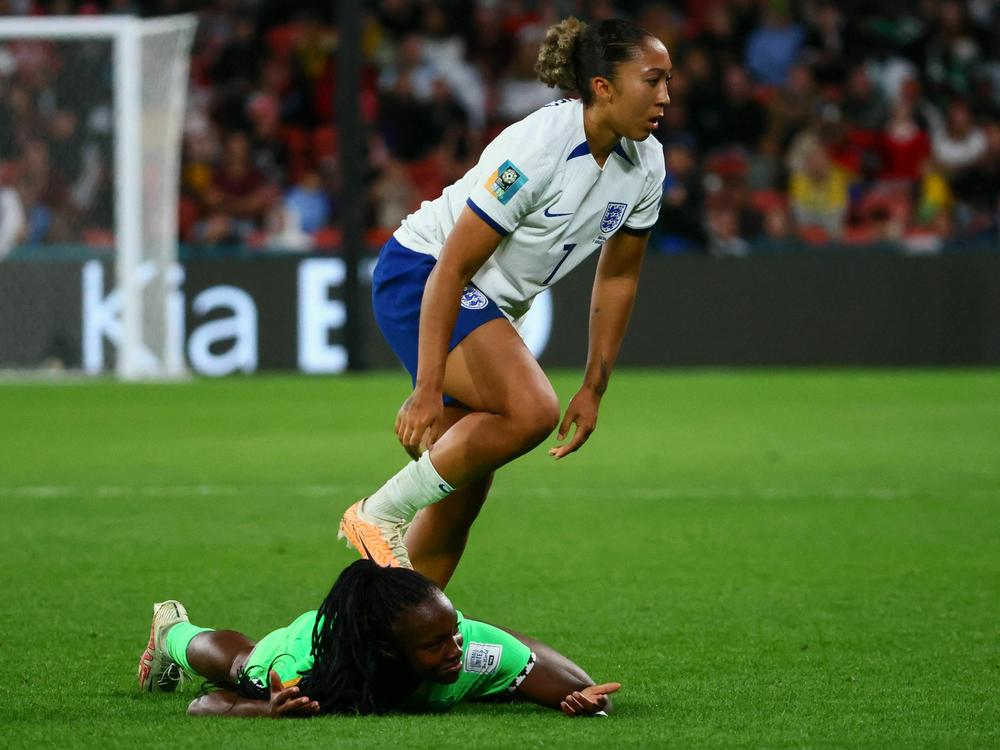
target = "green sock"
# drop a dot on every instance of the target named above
(178, 638)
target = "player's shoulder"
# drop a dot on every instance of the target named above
(549, 129)
(646, 156)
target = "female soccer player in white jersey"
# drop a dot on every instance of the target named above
(458, 276)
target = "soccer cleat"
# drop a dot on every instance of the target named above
(379, 541)
(158, 673)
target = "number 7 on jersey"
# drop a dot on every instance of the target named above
(567, 249)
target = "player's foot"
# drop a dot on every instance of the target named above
(374, 538)
(157, 671)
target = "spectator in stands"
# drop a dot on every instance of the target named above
(731, 221)
(774, 47)
(827, 130)
(777, 235)
(742, 120)
(719, 35)
(394, 196)
(270, 153)
(44, 195)
(679, 227)
(959, 144)
(978, 187)
(311, 63)
(404, 119)
(520, 92)
(863, 105)
(486, 43)
(308, 203)
(446, 54)
(236, 70)
(21, 121)
(904, 145)
(825, 43)
(305, 210)
(724, 239)
(746, 18)
(792, 107)
(950, 53)
(437, 83)
(448, 121)
(238, 197)
(819, 192)
(702, 97)
(12, 221)
(412, 64)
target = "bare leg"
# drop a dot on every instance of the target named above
(218, 655)
(512, 405)
(438, 535)
(511, 409)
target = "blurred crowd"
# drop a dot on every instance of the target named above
(792, 124)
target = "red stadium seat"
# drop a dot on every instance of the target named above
(327, 239)
(281, 39)
(325, 141)
(765, 201)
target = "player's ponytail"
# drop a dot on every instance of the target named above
(556, 66)
(573, 53)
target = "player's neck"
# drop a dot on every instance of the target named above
(601, 138)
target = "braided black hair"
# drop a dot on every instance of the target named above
(355, 667)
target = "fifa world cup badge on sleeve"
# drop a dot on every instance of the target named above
(483, 658)
(613, 217)
(505, 181)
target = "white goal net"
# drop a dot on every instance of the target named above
(91, 116)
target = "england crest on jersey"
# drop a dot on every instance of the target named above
(613, 216)
(473, 299)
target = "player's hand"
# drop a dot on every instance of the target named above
(419, 421)
(286, 702)
(588, 701)
(582, 412)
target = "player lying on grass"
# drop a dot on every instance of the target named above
(384, 639)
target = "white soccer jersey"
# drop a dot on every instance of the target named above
(538, 185)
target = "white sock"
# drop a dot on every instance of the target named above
(417, 485)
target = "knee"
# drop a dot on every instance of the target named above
(536, 418)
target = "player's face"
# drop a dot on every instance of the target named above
(429, 640)
(639, 91)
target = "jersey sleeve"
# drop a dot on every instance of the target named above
(646, 212)
(510, 175)
(498, 659)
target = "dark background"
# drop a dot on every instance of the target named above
(691, 311)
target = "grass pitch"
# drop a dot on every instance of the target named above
(804, 559)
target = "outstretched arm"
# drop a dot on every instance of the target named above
(284, 702)
(559, 683)
(611, 303)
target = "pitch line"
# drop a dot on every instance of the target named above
(55, 491)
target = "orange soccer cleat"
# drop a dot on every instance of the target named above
(378, 540)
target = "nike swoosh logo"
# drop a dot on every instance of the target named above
(552, 216)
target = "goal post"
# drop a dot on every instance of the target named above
(150, 62)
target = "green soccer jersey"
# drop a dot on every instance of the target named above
(493, 662)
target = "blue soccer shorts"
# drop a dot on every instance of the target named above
(397, 290)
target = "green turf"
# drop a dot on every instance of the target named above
(791, 559)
